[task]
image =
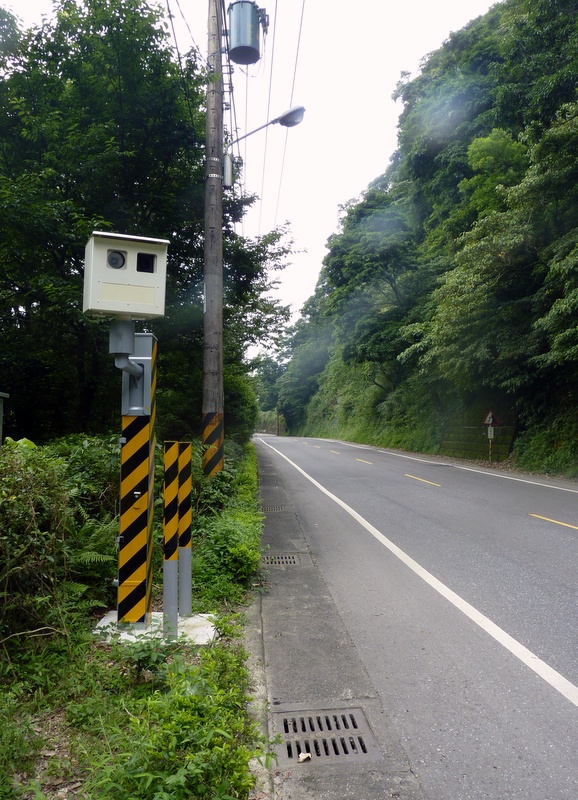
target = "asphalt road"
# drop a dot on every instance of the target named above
(458, 588)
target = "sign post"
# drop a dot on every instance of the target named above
(490, 421)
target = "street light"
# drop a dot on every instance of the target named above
(289, 119)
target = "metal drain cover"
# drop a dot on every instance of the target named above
(288, 559)
(269, 509)
(328, 735)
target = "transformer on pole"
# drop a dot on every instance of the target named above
(245, 21)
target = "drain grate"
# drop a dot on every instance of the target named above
(268, 509)
(280, 561)
(327, 735)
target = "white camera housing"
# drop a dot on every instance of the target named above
(125, 276)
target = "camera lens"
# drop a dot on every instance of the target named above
(116, 259)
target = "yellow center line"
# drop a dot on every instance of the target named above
(422, 480)
(364, 462)
(337, 452)
(556, 521)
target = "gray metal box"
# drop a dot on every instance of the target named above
(125, 276)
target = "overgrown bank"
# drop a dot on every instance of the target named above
(453, 279)
(349, 405)
(85, 719)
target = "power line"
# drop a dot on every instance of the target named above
(180, 63)
(230, 73)
(268, 116)
(269, 95)
(290, 104)
(170, 15)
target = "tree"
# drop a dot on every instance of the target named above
(310, 343)
(86, 103)
(100, 130)
(455, 273)
(268, 371)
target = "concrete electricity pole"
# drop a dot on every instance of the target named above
(212, 409)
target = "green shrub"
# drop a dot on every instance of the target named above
(550, 446)
(226, 546)
(19, 745)
(190, 739)
(34, 516)
(141, 721)
(241, 409)
(349, 404)
(92, 472)
(56, 561)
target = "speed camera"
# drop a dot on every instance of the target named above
(125, 276)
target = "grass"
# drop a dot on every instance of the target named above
(81, 718)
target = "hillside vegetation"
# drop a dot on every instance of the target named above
(451, 285)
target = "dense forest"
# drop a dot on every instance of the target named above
(451, 286)
(102, 127)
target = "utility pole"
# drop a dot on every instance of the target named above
(212, 410)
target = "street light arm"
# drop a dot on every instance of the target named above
(240, 139)
(289, 119)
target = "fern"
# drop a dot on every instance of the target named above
(87, 557)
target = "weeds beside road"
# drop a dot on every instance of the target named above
(80, 718)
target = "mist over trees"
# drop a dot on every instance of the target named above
(453, 280)
(102, 127)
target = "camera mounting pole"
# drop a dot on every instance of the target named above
(121, 346)
(133, 355)
(125, 278)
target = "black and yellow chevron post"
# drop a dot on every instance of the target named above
(153, 441)
(171, 539)
(213, 434)
(185, 523)
(135, 540)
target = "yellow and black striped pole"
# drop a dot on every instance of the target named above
(171, 539)
(213, 434)
(152, 448)
(136, 488)
(185, 522)
(134, 560)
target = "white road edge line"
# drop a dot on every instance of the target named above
(547, 673)
(457, 466)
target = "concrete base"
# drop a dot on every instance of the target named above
(198, 629)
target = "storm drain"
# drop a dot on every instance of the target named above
(288, 559)
(269, 509)
(325, 736)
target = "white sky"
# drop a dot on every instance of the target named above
(349, 61)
